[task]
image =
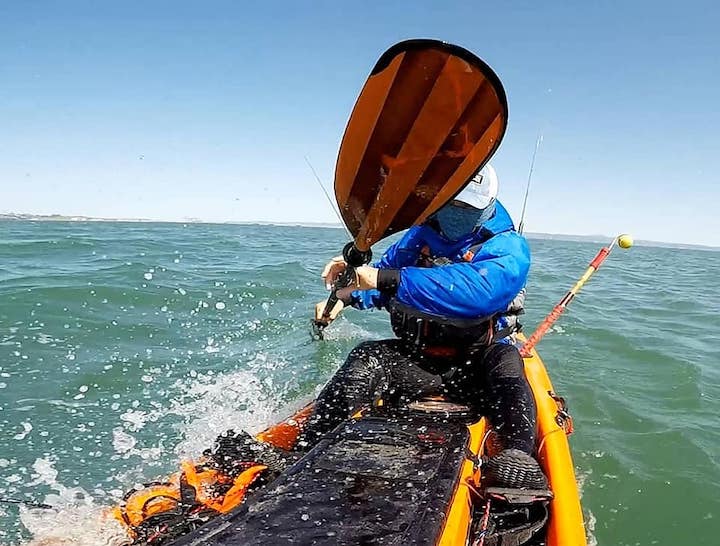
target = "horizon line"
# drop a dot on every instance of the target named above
(599, 238)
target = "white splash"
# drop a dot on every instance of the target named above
(207, 403)
(122, 441)
(27, 428)
(342, 329)
(74, 519)
(214, 404)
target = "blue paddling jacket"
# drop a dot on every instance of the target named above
(427, 280)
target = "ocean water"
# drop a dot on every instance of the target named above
(127, 347)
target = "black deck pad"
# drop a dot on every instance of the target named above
(376, 481)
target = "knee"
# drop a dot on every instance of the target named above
(363, 349)
(365, 359)
(361, 355)
(372, 352)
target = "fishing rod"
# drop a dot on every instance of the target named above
(327, 195)
(31, 504)
(527, 186)
(623, 241)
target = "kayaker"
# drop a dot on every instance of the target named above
(450, 285)
(454, 287)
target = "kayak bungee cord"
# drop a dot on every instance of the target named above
(480, 540)
(623, 241)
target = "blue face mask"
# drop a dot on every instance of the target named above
(456, 222)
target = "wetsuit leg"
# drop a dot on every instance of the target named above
(373, 370)
(495, 380)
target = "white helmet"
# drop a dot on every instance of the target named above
(482, 189)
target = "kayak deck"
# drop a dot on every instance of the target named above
(376, 480)
(402, 476)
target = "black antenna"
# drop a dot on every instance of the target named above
(527, 187)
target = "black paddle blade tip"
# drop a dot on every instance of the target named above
(317, 328)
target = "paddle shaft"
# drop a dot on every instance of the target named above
(546, 324)
(345, 279)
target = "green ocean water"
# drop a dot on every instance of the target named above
(126, 347)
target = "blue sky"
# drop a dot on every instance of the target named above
(173, 109)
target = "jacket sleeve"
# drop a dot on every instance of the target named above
(368, 299)
(474, 289)
(400, 254)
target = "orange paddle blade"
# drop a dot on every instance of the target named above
(429, 116)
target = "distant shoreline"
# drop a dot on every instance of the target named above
(79, 219)
(544, 236)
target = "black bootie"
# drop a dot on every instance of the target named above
(514, 469)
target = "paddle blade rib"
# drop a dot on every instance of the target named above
(429, 116)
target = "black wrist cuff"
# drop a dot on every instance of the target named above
(388, 280)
